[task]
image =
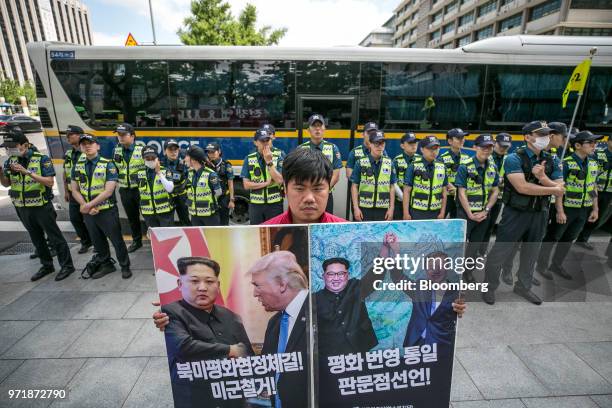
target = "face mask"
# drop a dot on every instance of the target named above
(541, 142)
(150, 164)
(13, 151)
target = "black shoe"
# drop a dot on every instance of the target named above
(489, 297)
(84, 248)
(52, 252)
(545, 273)
(104, 270)
(507, 278)
(34, 255)
(64, 273)
(126, 273)
(42, 272)
(467, 277)
(527, 294)
(559, 270)
(535, 281)
(585, 245)
(135, 245)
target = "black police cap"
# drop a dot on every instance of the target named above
(171, 143)
(377, 136)
(315, 118)
(584, 136)
(539, 126)
(262, 135)
(370, 126)
(504, 139)
(149, 151)
(86, 137)
(408, 137)
(484, 140)
(213, 147)
(268, 128)
(71, 130)
(456, 132)
(13, 136)
(558, 127)
(429, 141)
(124, 128)
(196, 153)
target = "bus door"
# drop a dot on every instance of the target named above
(340, 114)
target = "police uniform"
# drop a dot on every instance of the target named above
(202, 191)
(478, 180)
(451, 162)
(129, 162)
(604, 195)
(178, 172)
(225, 171)
(155, 204)
(427, 181)
(330, 151)
(91, 176)
(361, 151)
(374, 180)
(580, 176)
(265, 203)
(71, 157)
(401, 162)
(524, 218)
(32, 200)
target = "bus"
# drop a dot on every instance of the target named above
(198, 94)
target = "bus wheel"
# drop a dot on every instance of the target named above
(240, 215)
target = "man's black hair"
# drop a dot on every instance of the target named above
(331, 261)
(187, 261)
(306, 165)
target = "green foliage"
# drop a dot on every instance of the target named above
(212, 23)
(11, 91)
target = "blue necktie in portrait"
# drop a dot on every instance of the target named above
(282, 344)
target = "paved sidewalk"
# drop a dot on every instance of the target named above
(96, 338)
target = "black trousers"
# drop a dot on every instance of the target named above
(373, 214)
(330, 204)
(259, 213)
(398, 211)
(604, 203)
(182, 210)
(130, 198)
(563, 235)
(516, 226)
(423, 215)
(223, 211)
(105, 225)
(159, 220)
(475, 234)
(76, 219)
(39, 221)
(451, 206)
(208, 221)
(493, 214)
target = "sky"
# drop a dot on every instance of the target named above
(309, 22)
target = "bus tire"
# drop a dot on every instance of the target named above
(240, 215)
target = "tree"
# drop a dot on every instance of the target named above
(212, 23)
(11, 91)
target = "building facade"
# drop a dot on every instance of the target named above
(381, 36)
(24, 21)
(455, 23)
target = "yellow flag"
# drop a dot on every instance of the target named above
(130, 41)
(577, 80)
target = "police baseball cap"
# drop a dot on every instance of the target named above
(124, 128)
(315, 118)
(504, 139)
(268, 128)
(196, 153)
(456, 132)
(377, 136)
(213, 147)
(149, 151)
(74, 130)
(370, 126)
(13, 136)
(585, 135)
(429, 141)
(86, 137)
(558, 127)
(171, 143)
(262, 135)
(538, 126)
(408, 137)
(484, 140)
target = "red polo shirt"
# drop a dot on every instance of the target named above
(285, 218)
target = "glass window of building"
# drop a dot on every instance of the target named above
(464, 41)
(435, 35)
(437, 17)
(451, 7)
(591, 4)
(466, 19)
(449, 28)
(485, 33)
(510, 22)
(448, 45)
(487, 8)
(544, 9)
(587, 31)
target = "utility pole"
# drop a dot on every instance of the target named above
(152, 23)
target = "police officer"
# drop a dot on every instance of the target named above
(225, 171)
(373, 183)
(155, 189)
(579, 204)
(261, 174)
(476, 183)
(177, 171)
(316, 129)
(558, 135)
(452, 158)
(531, 177)
(94, 179)
(279, 154)
(408, 143)
(128, 159)
(203, 189)
(360, 151)
(30, 176)
(425, 184)
(604, 195)
(73, 135)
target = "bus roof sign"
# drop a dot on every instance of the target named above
(61, 54)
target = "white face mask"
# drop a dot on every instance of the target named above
(541, 142)
(150, 164)
(13, 151)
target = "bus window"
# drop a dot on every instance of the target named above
(327, 78)
(431, 96)
(598, 100)
(369, 92)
